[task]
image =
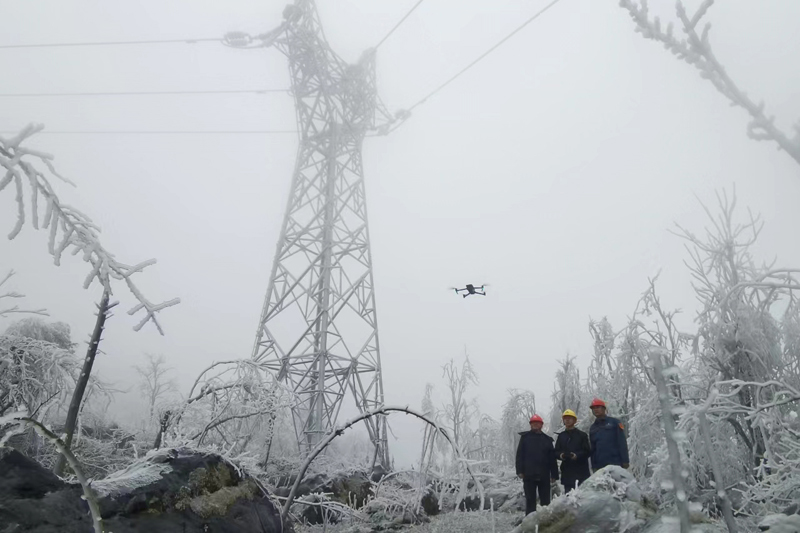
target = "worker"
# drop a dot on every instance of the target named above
(607, 438)
(536, 464)
(572, 448)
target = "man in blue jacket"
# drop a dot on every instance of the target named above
(607, 436)
(536, 464)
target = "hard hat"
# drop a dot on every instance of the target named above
(597, 402)
(570, 412)
(537, 418)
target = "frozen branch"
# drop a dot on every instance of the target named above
(68, 228)
(696, 50)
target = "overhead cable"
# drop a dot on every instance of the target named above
(138, 93)
(113, 43)
(489, 51)
(145, 132)
(398, 24)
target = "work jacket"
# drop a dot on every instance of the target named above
(536, 457)
(568, 442)
(609, 447)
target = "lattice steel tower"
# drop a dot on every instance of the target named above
(318, 329)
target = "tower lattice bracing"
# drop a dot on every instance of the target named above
(318, 329)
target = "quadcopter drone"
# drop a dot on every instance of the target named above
(472, 289)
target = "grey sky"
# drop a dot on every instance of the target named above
(552, 170)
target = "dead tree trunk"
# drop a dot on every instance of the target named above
(83, 380)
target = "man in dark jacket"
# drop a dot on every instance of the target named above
(536, 464)
(607, 436)
(572, 448)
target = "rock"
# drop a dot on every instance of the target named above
(35, 499)
(780, 523)
(608, 502)
(672, 524)
(792, 509)
(430, 502)
(350, 488)
(170, 491)
(378, 473)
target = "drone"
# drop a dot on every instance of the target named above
(472, 289)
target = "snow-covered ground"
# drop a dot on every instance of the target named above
(472, 522)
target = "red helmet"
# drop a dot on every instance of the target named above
(597, 402)
(537, 418)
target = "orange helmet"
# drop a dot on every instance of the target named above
(537, 418)
(597, 402)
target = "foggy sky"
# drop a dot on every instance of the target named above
(552, 170)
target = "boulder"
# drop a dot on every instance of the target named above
(608, 502)
(351, 488)
(171, 490)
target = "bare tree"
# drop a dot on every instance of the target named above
(567, 391)
(457, 410)
(154, 381)
(75, 404)
(517, 409)
(696, 50)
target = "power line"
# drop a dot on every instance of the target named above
(143, 132)
(113, 43)
(489, 51)
(398, 24)
(137, 93)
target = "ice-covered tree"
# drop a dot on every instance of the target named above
(155, 382)
(69, 230)
(567, 391)
(57, 333)
(34, 374)
(457, 410)
(232, 406)
(517, 410)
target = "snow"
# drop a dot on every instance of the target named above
(143, 472)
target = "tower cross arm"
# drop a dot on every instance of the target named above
(240, 39)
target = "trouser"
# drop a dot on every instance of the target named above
(570, 483)
(531, 486)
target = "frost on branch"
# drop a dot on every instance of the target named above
(68, 229)
(696, 50)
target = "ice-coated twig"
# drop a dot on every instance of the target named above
(696, 50)
(12, 294)
(67, 227)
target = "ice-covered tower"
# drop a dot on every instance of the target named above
(318, 329)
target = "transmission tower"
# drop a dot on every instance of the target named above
(318, 330)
